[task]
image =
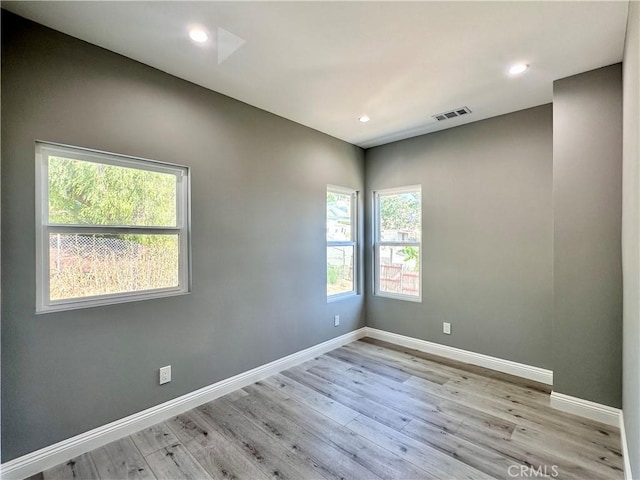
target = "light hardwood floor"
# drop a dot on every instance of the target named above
(368, 410)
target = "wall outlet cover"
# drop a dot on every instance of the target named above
(165, 374)
(446, 328)
(336, 320)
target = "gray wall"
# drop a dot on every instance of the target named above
(587, 183)
(259, 278)
(486, 216)
(631, 237)
(258, 200)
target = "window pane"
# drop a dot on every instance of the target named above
(339, 217)
(94, 193)
(339, 270)
(400, 217)
(399, 269)
(87, 265)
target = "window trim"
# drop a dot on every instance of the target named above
(43, 227)
(355, 242)
(377, 243)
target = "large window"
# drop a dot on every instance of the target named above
(109, 228)
(397, 237)
(342, 251)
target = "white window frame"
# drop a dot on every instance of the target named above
(44, 304)
(377, 243)
(353, 243)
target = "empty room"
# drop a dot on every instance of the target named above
(320, 240)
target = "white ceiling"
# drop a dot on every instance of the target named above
(324, 64)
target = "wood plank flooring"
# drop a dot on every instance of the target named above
(369, 410)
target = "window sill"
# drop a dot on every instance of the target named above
(341, 296)
(108, 300)
(406, 298)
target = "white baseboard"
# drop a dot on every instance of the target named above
(55, 454)
(577, 406)
(585, 408)
(600, 413)
(625, 449)
(506, 366)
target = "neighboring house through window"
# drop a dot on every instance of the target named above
(342, 242)
(397, 243)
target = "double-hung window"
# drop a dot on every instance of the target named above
(342, 242)
(397, 241)
(109, 228)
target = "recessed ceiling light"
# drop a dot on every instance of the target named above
(518, 68)
(364, 119)
(198, 35)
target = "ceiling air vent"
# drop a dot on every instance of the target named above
(458, 112)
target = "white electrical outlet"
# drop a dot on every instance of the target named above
(446, 328)
(165, 374)
(336, 320)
